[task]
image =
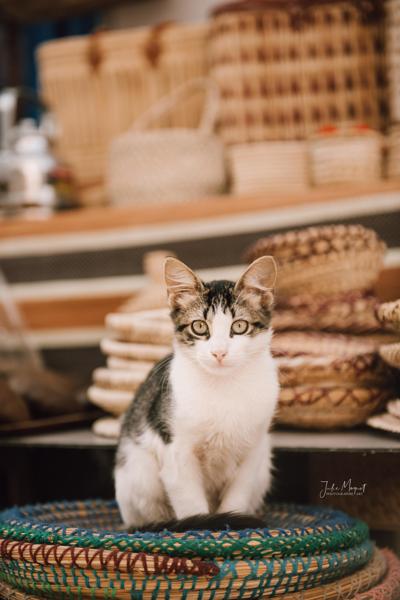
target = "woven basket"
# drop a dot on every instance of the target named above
(114, 401)
(262, 167)
(352, 312)
(364, 369)
(107, 427)
(98, 85)
(391, 354)
(365, 580)
(132, 351)
(393, 408)
(148, 327)
(393, 56)
(393, 152)
(119, 379)
(285, 68)
(389, 588)
(368, 580)
(329, 259)
(295, 343)
(347, 155)
(168, 165)
(385, 422)
(389, 314)
(329, 407)
(76, 548)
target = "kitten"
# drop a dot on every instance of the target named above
(195, 439)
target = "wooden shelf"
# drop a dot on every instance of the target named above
(105, 218)
(359, 441)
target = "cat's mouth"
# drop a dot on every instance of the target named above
(218, 367)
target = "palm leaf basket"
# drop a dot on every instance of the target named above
(333, 258)
(380, 578)
(78, 549)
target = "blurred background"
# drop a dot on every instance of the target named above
(130, 131)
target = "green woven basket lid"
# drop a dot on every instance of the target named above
(292, 531)
(79, 550)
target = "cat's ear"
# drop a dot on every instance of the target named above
(183, 286)
(257, 283)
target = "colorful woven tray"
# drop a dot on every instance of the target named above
(389, 587)
(378, 575)
(76, 548)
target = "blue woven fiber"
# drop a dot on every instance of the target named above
(294, 530)
(269, 577)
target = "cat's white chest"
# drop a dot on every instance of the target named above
(221, 418)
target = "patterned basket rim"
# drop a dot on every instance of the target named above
(261, 5)
(301, 571)
(381, 564)
(291, 239)
(334, 530)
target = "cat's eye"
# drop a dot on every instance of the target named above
(199, 327)
(239, 327)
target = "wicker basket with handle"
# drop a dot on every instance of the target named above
(286, 67)
(98, 85)
(178, 164)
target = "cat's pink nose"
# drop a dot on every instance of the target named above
(219, 355)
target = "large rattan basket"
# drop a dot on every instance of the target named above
(393, 51)
(287, 67)
(79, 549)
(98, 85)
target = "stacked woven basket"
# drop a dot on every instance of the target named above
(135, 342)
(389, 315)
(329, 336)
(284, 71)
(79, 549)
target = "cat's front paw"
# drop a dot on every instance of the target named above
(234, 505)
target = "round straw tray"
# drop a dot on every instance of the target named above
(389, 314)
(319, 407)
(352, 312)
(80, 549)
(332, 259)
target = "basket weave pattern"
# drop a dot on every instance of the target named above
(41, 552)
(346, 158)
(393, 50)
(113, 77)
(389, 314)
(333, 258)
(284, 72)
(352, 312)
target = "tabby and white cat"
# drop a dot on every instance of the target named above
(195, 439)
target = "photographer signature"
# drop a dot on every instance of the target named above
(345, 488)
